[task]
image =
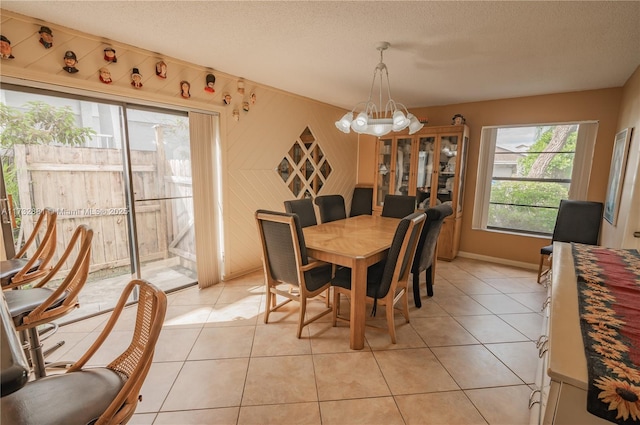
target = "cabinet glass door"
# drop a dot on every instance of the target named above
(384, 171)
(403, 166)
(426, 146)
(447, 168)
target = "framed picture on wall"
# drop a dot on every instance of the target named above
(616, 175)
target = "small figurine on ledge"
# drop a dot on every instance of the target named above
(46, 37)
(136, 78)
(185, 89)
(457, 119)
(105, 75)
(211, 80)
(70, 61)
(161, 69)
(110, 54)
(5, 48)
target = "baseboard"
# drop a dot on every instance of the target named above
(498, 260)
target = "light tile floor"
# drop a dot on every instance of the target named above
(467, 357)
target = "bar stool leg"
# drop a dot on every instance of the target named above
(37, 358)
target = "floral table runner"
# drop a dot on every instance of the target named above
(609, 307)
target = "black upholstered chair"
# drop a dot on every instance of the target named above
(331, 208)
(24, 268)
(387, 280)
(427, 250)
(96, 395)
(285, 262)
(361, 201)
(304, 209)
(398, 206)
(42, 304)
(577, 221)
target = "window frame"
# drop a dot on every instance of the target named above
(578, 185)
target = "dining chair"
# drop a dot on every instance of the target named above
(331, 208)
(285, 263)
(102, 395)
(386, 280)
(23, 269)
(577, 221)
(31, 307)
(304, 209)
(427, 250)
(398, 206)
(361, 201)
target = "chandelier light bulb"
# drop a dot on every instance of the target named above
(414, 124)
(345, 122)
(400, 122)
(360, 123)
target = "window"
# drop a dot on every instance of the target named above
(527, 171)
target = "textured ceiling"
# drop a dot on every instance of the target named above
(441, 52)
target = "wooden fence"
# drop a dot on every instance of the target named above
(85, 186)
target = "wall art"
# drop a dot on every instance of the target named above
(616, 175)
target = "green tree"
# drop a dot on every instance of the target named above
(36, 123)
(547, 163)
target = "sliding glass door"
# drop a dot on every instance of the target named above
(122, 170)
(162, 195)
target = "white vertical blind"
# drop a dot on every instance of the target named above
(582, 160)
(203, 135)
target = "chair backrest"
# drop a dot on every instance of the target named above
(283, 247)
(361, 201)
(38, 263)
(401, 253)
(331, 208)
(578, 221)
(398, 206)
(72, 283)
(304, 209)
(426, 249)
(135, 361)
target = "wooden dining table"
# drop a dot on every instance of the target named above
(355, 242)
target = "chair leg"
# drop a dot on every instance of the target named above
(429, 277)
(416, 289)
(540, 267)
(303, 312)
(268, 303)
(336, 307)
(405, 305)
(390, 322)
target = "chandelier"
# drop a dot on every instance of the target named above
(373, 119)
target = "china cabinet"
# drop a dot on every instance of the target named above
(429, 165)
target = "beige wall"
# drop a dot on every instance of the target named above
(253, 151)
(250, 148)
(601, 105)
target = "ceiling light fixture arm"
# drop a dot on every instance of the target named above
(373, 119)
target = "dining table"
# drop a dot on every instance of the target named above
(354, 242)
